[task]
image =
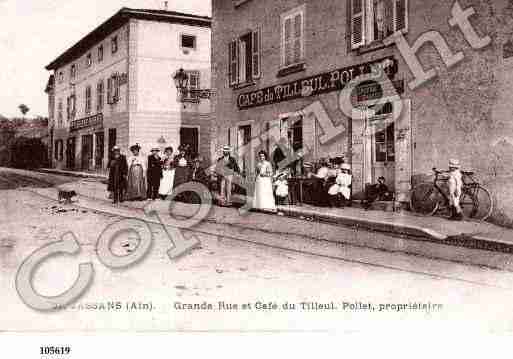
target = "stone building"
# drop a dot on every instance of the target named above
(115, 87)
(438, 82)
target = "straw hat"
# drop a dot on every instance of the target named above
(155, 148)
(226, 148)
(116, 148)
(454, 163)
(345, 166)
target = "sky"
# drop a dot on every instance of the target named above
(35, 32)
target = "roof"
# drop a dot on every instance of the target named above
(118, 20)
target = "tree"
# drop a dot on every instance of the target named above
(24, 109)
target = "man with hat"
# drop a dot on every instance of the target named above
(226, 167)
(154, 173)
(455, 184)
(118, 170)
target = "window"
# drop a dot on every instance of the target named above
(88, 100)
(292, 130)
(100, 53)
(89, 60)
(61, 76)
(188, 42)
(114, 44)
(113, 89)
(244, 58)
(99, 93)
(70, 107)
(59, 113)
(374, 20)
(292, 30)
(73, 71)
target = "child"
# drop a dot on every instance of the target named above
(282, 188)
(340, 192)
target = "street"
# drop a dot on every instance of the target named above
(250, 279)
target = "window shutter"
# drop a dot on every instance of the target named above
(357, 23)
(400, 15)
(233, 63)
(287, 42)
(109, 90)
(256, 54)
(116, 87)
(298, 38)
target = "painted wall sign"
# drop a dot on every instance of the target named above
(316, 85)
(95, 120)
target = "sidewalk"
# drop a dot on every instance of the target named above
(469, 234)
(73, 173)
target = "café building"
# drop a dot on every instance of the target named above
(283, 65)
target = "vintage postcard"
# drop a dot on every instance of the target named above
(256, 166)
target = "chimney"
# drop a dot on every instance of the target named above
(166, 5)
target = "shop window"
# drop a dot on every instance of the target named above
(244, 58)
(292, 32)
(374, 20)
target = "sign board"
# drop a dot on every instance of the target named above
(315, 85)
(95, 120)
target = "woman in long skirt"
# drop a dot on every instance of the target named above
(263, 197)
(136, 188)
(168, 174)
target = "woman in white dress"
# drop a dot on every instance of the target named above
(263, 197)
(168, 174)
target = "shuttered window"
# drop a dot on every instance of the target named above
(244, 58)
(293, 37)
(374, 20)
(233, 63)
(255, 56)
(400, 15)
(109, 90)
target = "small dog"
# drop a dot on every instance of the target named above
(66, 196)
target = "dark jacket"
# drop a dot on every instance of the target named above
(230, 168)
(154, 167)
(198, 175)
(118, 170)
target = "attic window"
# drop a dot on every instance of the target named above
(188, 42)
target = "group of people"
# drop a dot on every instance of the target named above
(155, 176)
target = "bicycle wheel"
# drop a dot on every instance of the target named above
(424, 199)
(482, 203)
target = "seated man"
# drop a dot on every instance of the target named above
(340, 192)
(377, 192)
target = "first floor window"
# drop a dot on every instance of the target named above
(70, 107)
(292, 30)
(59, 113)
(193, 82)
(113, 89)
(99, 91)
(374, 20)
(88, 100)
(244, 58)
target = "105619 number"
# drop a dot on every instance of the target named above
(51, 350)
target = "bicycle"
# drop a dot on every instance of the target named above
(428, 198)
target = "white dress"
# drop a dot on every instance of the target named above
(263, 197)
(342, 184)
(168, 178)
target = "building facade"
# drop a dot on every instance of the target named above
(115, 87)
(395, 86)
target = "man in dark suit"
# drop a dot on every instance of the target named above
(154, 173)
(118, 170)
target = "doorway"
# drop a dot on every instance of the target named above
(87, 152)
(70, 153)
(99, 150)
(383, 144)
(190, 136)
